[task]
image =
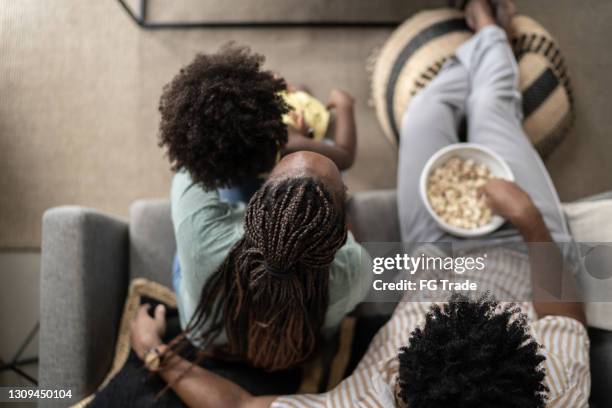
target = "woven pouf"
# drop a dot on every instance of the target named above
(415, 52)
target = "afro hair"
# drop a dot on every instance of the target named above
(472, 354)
(221, 118)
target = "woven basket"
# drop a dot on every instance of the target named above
(415, 52)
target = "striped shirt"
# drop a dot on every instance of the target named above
(373, 383)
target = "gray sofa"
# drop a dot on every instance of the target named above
(89, 257)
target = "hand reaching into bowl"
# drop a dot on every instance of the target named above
(507, 199)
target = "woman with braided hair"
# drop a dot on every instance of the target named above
(270, 295)
(262, 283)
(263, 286)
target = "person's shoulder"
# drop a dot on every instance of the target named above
(204, 225)
(565, 344)
(562, 335)
(181, 191)
(552, 328)
(190, 200)
(349, 268)
(351, 253)
(181, 181)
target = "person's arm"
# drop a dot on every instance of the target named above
(195, 386)
(548, 273)
(343, 151)
(198, 387)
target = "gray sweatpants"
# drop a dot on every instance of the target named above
(481, 81)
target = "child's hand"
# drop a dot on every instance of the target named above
(339, 99)
(300, 125)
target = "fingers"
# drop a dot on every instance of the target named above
(332, 99)
(300, 119)
(481, 191)
(143, 313)
(493, 188)
(160, 319)
(496, 183)
(484, 190)
(160, 314)
(299, 123)
(143, 310)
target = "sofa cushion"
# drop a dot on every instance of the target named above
(590, 223)
(373, 216)
(152, 242)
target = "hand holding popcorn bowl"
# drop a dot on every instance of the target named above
(449, 187)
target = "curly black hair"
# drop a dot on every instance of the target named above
(472, 354)
(221, 118)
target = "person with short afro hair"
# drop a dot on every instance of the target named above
(224, 121)
(221, 118)
(472, 354)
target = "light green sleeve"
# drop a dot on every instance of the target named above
(206, 228)
(350, 281)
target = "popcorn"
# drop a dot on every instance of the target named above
(452, 191)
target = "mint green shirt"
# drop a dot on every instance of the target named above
(206, 228)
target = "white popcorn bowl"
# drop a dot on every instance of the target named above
(481, 155)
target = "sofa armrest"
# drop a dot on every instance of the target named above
(83, 284)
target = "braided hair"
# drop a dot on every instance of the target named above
(271, 293)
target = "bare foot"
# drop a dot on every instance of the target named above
(479, 14)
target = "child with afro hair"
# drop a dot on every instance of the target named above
(222, 121)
